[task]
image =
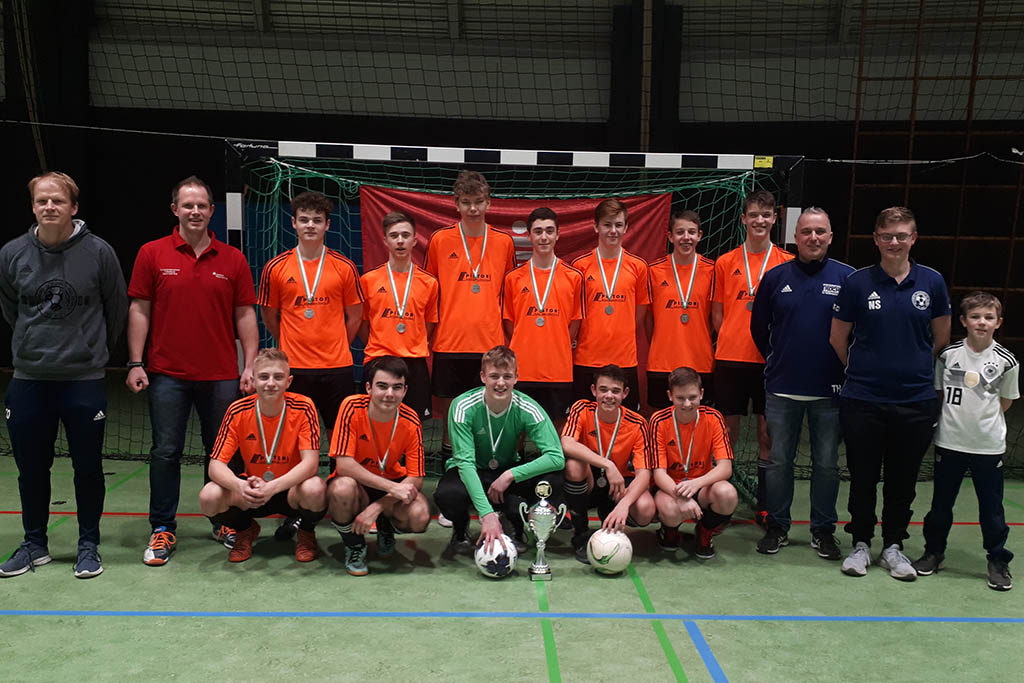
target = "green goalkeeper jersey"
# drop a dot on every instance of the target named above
(483, 440)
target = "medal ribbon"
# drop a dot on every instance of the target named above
(615, 432)
(746, 267)
(382, 462)
(608, 291)
(490, 434)
(685, 301)
(547, 290)
(465, 247)
(319, 272)
(679, 442)
(269, 453)
(400, 307)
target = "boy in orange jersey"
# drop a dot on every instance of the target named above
(678, 323)
(616, 299)
(278, 435)
(739, 366)
(378, 447)
(608, 460)
(541, 311)
(469, 260)
(307, 295)
(692, 480)
(401, 310)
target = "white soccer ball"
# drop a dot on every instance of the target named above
(609, 552)
(499, 562)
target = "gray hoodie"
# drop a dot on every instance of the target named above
(66, 304)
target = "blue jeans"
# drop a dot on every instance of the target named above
(785, 418)
(34, 409)
(987, 475)
(170, 404)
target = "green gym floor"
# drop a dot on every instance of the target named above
(741, 616)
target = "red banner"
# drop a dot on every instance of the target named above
(648, 222)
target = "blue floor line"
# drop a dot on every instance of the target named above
(645, 616)
(717, 675)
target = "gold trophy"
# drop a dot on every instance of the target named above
(541, 519)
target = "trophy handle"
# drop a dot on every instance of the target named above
(562, 510)
(523, 509)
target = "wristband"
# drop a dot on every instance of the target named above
(136, 364)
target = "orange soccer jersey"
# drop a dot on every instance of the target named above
(675, 343)
(734, 340)
(610, 337)
(710, 443)
(239, 432)
(469, 306)
(319, 341)
(543, 352)
(357, 436)
(382, 314)
(632, 444)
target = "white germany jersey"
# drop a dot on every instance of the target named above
(971, 384)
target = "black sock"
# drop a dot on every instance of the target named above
(384, 525)
(234, 518)
(711, 520)
(309, 518)
(576, 498)
(350, 539)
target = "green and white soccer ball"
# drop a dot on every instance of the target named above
(609, 552)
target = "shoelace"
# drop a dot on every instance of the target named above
(161, 540)
(357, 554)
(87, 553)
(23, 548)
(226, 532)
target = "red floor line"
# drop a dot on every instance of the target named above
(592, 519)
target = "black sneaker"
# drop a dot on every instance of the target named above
(26, 558)
(929, 563)
(827, 546)
(459, 543)
(772, 540)
(705, 542)
(89, 563)
(287, 530)
(999, 576)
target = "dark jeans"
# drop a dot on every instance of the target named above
(890, 435)
(34, 408)
(170, 404)
(453, 501)
(987, 475)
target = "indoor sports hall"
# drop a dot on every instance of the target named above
(848, 105)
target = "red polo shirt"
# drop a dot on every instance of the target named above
(192, 324)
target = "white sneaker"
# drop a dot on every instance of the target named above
(858, 561)
(893, 559)
(444, 521)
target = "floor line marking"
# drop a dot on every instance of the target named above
(659, 629)
(1013, 503)
(639, 616)
(550, 653)
(53, 525)
(717, 675)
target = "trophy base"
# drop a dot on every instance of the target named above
(546, 576)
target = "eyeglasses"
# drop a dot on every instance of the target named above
(900, 237)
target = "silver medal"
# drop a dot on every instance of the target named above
(268, 475)
(750, 305)
(308, 313)
(540, 321)
(400, 327)
(493, 464)
(684, 318)
(475, 289)
(601, 482)
(609, 309)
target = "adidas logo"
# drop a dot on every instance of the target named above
(873, 296)
(382, 291)
(290, 281)
(367, 462)
(525, 290)
(664, 283)
(251, 437)
(593, 432)
(453, 256)
(363, 437)
(954, 365)
(481, 431)
(99, 416)
(590, 278)
(737, 272)
(785, 289)
(671, 442)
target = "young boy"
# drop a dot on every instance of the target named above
(608, 460)
(693, 484)
(977, 380)
(278, 434)
(378, 447)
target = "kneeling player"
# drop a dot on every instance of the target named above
(378, 449)
(486, 468)
(608, 460)
(280, 474)
(692, 481)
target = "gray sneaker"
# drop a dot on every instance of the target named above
(27, 557)
(355, 560)
(858, 561)
(899, 566)
(929, 563)
(999, 576)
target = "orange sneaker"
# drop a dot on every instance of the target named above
(306, 549)
(243, 543)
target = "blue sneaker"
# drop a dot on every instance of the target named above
(27, 557)
(88, 564)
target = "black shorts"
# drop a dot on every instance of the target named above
(327, 388)
(599, 497)
(277, 505)
(554, 397)
(418, 381)
(583, 378)
(736, 385)
(455, 373)
(657, 389)
(376, 494)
